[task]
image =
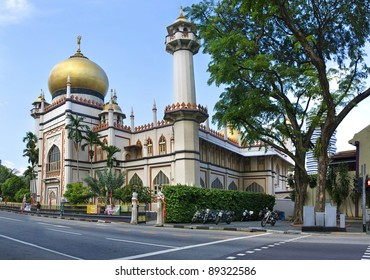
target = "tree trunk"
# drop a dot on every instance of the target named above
(301, 182)
(323, 162)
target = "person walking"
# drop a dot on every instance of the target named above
(38, 206)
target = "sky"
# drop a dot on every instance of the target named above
(124, 37)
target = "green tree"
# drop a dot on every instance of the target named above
(11, 186)
(108, 181)
(77, 193)
(19, 195)
(31, 151)
(338, 184)
(75, 128)
(111, 150)
(125, 194)
(275, 59)
(91, 138)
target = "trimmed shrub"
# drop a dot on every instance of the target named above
(182, 202)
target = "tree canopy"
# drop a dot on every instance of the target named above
(282, 63)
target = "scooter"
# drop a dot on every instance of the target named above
(247, 215)
(224, 215)
(198, 216)
(268, 217)
(209, 216)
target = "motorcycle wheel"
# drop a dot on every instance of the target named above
(217, 220)
(273, 222)
(263, 223)
(228, 220)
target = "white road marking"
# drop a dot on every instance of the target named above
(53, 225)
(189, 247)
(270, 246)
(39, 247)
(16, 220)
(63, 231)
(230, 258)
(141, 243)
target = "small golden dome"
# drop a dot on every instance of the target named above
(84, 74)
(115, 107)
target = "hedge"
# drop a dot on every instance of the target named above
(182, 202)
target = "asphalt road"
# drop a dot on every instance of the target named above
(24, 237)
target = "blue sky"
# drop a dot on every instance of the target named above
(125, 37)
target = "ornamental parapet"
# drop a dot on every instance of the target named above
(89, 102)
(59, 102)
(183, 106)
(122, 127)
(151, 125)
(100, 127)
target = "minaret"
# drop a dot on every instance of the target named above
(185, 114)
(154, 114)
(182, 43)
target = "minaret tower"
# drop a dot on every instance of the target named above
(185, 114)
(182, 43)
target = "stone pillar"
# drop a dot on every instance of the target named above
(135, 204)
(160, 209)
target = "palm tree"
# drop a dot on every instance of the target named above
(31, 151)
(91, 138)
(111, 150)
(106, 183)
(75, 129)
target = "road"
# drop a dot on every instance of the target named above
(25, 237)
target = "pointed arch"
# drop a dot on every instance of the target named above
(160, 180)
(135, 180)
(139, 149)
(162, 145)
(150, 147)
(254, 187)
(217, 184)
(53, 160)
(233, 186)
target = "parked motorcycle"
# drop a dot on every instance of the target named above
(209, 216)
(268, 217)
(224, 216)
(198, 216)
(247, 215)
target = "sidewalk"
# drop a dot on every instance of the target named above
(286, 227)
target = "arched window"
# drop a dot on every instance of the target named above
(160, 180)
(139, 151)
(162, 145)
(254, 187)
(233, 186)
(135, 180)
(217, 184)
(150, 147)
(53, 163)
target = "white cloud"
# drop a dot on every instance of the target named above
(11, 165)
(13, 11)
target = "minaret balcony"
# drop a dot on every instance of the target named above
(179, 111)
(182, 40)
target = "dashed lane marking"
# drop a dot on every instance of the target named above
(270, 246)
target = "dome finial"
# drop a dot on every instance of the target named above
(181, 15)
(79, 43)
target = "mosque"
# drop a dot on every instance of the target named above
(179, 149)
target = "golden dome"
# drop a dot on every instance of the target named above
(115, 107)
(84, 74)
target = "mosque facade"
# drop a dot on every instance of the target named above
(179, 149)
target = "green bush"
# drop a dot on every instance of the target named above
(183, 201)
